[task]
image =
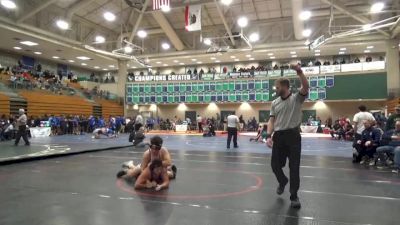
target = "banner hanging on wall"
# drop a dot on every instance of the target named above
(193, 18)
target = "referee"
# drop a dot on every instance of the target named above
(285, 120)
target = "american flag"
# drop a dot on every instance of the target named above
(159, 4)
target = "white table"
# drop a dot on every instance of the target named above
(181, 128)
(40, 131)
(309, 129)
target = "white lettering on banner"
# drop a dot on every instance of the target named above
(330, 69)
(181, 128)
(40, 132)
(311, 70)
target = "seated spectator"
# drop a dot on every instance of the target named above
(327, 63)
(337, 129)
(317, 63)
(153, 176)
(189, 72)
(7, 132)
(276, 67)
(368, 59)
(335, 62)
(348, 131)
(366, 147)
(390, 145)
(356, 60)
(139, 137)
(343, 61)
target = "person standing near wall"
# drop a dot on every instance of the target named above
(199, 123)
(285, 120)
(232, 123)
(138, 122)
(21, 124)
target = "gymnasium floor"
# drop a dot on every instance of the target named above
(214, 186)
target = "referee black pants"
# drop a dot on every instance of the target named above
(232, 132)
(287, 144)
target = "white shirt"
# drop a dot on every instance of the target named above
(233, 120)
(199, 120)
(139, 119)
(359, 118)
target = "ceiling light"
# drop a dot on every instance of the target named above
(294, 56)
(213, 58)
(207, 41)
(341, 53)
(62, 24)
(181, 64)
(37, 53)
(158, 62)
(367, 51)
(194, 60)
(226, 2)
(272, 57)
(243, 21)
(271, 54)
(111, 66)
(307, 42)
(317, 54)
(29, 43)
(165, 46)
(55, 57)
(367, 27)
(305, 15)
(133, 67)
(254, 37)
(199, 62)
(342, 49)
(306, 32)
(165, 64)
(142, 33)
(17, 48)
(217, 61)
(128, 49)
(251, 58)
(377, 7)
(84, 58)
(105, 69)
(317, 50)
(236, 60)
(96, 67)
(100, 39)
(176, 61)
(109, 16)
(232, 56)
(293, 53)
(83, 64)
(370, 47)
(165, 8)
(248, 56)
(8, 4)
(71, 61)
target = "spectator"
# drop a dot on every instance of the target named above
(189, 72)
(327, 63)
(199, 121)
(366, 146)
(348, 131)
(390, 145)
(317, 63)
(241, 123)
(390, 124)
(368, 59)
(336, 62)
(342, 61)
(336, 130)
(356, 60)
(359, 119)
(328, 123)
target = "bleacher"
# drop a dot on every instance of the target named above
(4, 104)
(391, 104)
(110, 108)
(39, 103)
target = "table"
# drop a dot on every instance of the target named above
(309, 129)
(181, 128)
(40, 131)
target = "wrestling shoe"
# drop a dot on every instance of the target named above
(281, 189)
(295, 203)
(174, 171)
(121, 173)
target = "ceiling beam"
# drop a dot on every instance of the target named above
(36, 10)
(228, 30)
(341, 7)
(169, 31)
(138, 21)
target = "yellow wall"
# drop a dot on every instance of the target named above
(324, 109)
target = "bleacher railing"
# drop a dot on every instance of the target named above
(313, 70)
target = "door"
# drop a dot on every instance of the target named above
(307, 114)
(225, 114)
